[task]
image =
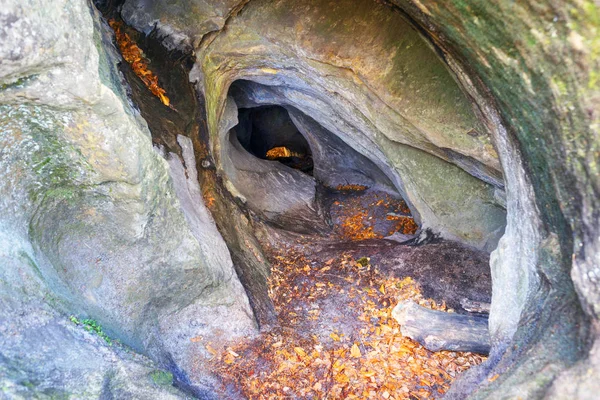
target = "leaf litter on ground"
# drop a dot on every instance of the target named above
(300, 359)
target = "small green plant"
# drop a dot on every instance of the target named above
(162, 378)
(92, 326)
(364, 261)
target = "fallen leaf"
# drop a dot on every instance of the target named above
(300, 351)
(233, 353)
(211, 350)
(228, 359)
(355, 351)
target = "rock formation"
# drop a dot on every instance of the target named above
(484, 117)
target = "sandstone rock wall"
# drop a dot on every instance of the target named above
(536, 64)
(458, 104)
(385, 97)
(530, 70)
(93, 212)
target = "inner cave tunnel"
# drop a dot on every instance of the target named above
(268, 133)
(271, 199)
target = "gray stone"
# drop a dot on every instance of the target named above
(44, 355)
(182, 24)
(470, 111)
(281, 195)
(373, 119)
(114, 231)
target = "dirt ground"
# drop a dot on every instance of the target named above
(334, 295)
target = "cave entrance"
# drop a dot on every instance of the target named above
(315, 276)
(269, 133)
(320, 184)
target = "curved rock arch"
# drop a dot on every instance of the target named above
(532, 266)
(370, 126)
(90, 213)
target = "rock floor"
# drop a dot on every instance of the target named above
(334, 296)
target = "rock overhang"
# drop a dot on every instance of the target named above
(428, 121)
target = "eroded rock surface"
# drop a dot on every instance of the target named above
(532, 71)
(94, 211)
(470, 111)
(291, 64)
(535, 62)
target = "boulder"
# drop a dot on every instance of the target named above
(45, 355)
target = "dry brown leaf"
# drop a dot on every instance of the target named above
(300, 351)
(384, 362)
(355, 351)
(211, 350)
(228, 359)
(134, 56)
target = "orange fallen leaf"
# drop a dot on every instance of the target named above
(355, 351)
(378, 363)
(278, 152)
(493, 378)
(211, 350)
(228, 359)
(300, 351)
(134, 56)
(342, 378)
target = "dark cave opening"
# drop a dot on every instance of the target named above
(269, 133)
(330, 187)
